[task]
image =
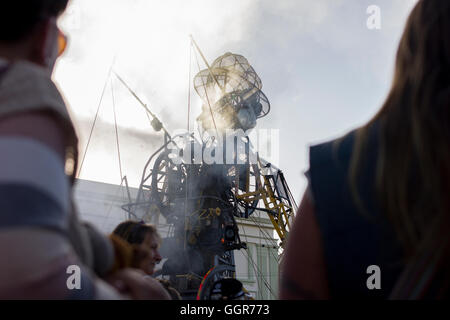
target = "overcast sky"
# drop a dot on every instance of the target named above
(324, 71)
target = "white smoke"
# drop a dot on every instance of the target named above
(321, 69)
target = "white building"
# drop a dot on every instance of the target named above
(257, 267)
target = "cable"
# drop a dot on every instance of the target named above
(188, 129)
(122, 178)
(266, 237)
(255, 267)
(189, 89)
(262, 231)
(95, 119)
(207, 98)
(108, 213)
(259, 274)
(117, 132)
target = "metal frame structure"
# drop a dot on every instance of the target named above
(201, 201)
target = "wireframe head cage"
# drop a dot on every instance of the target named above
(231, 94)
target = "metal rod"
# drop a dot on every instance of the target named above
(206, 62)
(142, 103)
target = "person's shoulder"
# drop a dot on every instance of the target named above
(26, 86)
(333, 152)
(23, 75)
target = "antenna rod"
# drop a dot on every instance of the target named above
(206, 62)
(142, 103)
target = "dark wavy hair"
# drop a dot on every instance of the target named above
(19, 17)
(413, 164)
(134, 232)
